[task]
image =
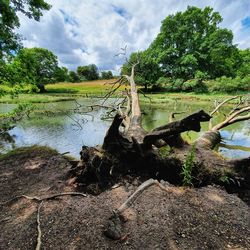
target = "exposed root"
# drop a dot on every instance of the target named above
(115, 223)
(39, 231)
(136, 194)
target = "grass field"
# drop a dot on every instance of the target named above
(70, 91)
(97, 87)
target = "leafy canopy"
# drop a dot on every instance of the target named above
(192, 41)
(89, 72)
(36, 66)
(147, 71)
(9, 40)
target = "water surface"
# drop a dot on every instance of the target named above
(55, 125)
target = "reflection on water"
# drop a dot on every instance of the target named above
(55, 127)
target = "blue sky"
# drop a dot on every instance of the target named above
(82, 32)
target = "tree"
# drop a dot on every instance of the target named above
(147, 70)
(61, 74)
(9, 21)
(38, 66)
(73, 76)
(89, 72)
(106, 75)
(192, 41)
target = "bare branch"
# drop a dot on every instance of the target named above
(222, 103)
(234, 117)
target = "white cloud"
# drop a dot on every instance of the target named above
(84, 32)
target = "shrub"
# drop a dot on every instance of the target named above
(229, 85)
(195, 85)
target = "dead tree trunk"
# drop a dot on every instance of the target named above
(130, 150)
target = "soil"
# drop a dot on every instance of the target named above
(173, 218)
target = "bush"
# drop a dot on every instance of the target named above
(229, 85)
(195, 85)
(200, 75)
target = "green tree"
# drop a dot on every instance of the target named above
(38, 66)
(61, 74)
(73, 76)
(9, 21)
(192, 41)
(89, 72)
(147, 71)
(106, 75)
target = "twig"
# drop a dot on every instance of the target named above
(42, 199)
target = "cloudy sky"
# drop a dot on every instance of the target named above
(82, 32)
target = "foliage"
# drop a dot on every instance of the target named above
(188, 167)
(36, 66)
(106, 75)
(244, 69)
(192, 41)
(229, 85)
(146, 72)
(89, 72)
(61, 74)
(9, 21)
(195, 85)
(73, 76)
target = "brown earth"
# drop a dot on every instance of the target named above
(173, 218)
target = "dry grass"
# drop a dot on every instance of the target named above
(89, 87)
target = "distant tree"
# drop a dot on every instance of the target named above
(9, 21)
(89, 72)
(73, 76)
(192, 41)
(38, 66)
(61, 74)
(106, 75)
(147, 71)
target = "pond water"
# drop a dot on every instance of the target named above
(55, 125)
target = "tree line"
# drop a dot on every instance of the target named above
(35, 67)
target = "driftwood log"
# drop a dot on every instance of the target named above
(130, 150)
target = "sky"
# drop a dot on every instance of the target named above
(82, 32)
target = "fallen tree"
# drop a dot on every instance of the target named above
(130, 150)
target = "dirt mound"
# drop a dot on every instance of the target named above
(159, 218)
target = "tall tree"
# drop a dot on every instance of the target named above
(192, 41)
(89, 72)
(38, 66)
(106, 75)
(73, 76)
(61, 74)
(147, 71)
(9, 21)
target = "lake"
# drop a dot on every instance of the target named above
(57, 126)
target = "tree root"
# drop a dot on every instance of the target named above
(39, 231)
(115, 223)
(41, 200)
